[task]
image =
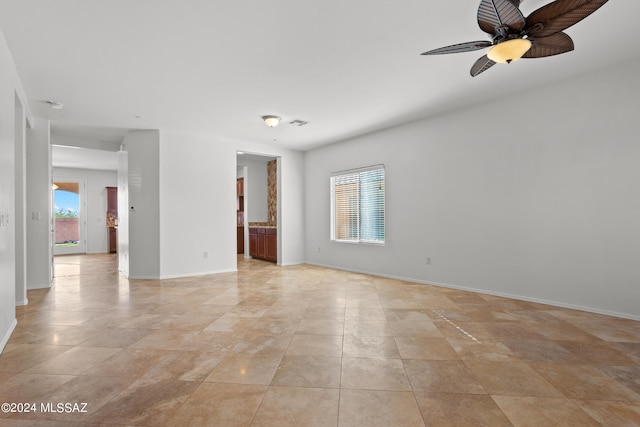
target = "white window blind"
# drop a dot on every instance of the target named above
(357, 205)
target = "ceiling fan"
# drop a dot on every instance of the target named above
(514, 36)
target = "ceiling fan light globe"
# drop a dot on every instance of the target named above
(509, 51)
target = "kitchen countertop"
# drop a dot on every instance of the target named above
(261, 225)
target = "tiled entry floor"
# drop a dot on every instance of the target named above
(309, 346)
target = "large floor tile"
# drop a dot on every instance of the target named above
(290, 406)
(145, 402)
(543, 411)
(309, 371)
(258, 368)
(469, 349)
(74, 361)
(612, 414)
(426, 348)
(29, 387)
(585, 382)
(304, 345)
(374, 374)
(629, 376)
(366, 408)
(442, 376)
(128, 363)
(185, 366)
(20, 357)
(362, 328)
(214, 404)
(370, 347)
(511, 379)
(460, 410)
(316, 345)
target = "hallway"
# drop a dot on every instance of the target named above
(303, 345)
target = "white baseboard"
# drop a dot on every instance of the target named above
(23, 302)
(38, 286)
(287, 264)
(493, 293)
(5, 338)
(179, 276)
(203, 273)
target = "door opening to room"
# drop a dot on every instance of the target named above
(68, 217)
(240, 215)
(257, 206)
(112, 219)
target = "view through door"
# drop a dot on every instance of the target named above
(240, 215)
(68, 217)
(257, 181)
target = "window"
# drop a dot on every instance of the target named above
(357, 205)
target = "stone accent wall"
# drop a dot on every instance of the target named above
(272, 189)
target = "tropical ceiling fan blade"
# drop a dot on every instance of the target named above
(560, 15)
(482, 64)
(497, 13)
(460, 47)
(548, 46)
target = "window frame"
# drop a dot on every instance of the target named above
(333, 205)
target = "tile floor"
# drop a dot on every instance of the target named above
(307, 346)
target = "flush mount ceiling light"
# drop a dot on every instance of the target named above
(271, 121)
(55, 105)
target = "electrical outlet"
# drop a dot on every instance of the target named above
(205, 254)
(428, 260)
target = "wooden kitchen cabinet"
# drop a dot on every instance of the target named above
(240, 240)
(240, 187)
(253, 244)
(112, 215)
(271, 245)
(263, 243)
(240, 215)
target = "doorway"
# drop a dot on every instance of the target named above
(69, 222)
(240, 216)
(260, 203)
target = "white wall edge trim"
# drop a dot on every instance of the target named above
(204, 273)
(43, 286)
(143, 277)
(498, 294)
(23, 302)
(287, 264)
(6, 337)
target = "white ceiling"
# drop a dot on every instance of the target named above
(214, 68)
(83, 158)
